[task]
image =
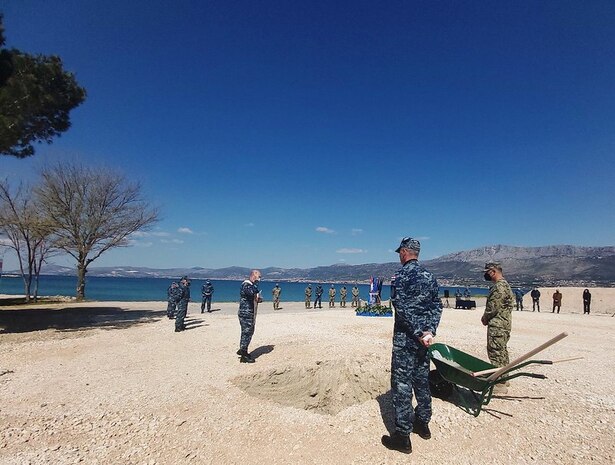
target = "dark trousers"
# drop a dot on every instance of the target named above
(318, 301)
(535, 303)
(206, 301)
(409, 374)
(182, 309)
(586, 307)
(247, 323)
(171, 308)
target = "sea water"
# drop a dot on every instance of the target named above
(148, 289)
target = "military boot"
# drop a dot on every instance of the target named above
(422, 429)
(397, 441)
(245, 357)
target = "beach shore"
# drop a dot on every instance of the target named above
(111, 383)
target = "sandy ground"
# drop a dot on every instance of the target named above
(111, 383)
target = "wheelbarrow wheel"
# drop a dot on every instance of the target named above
(439, 387)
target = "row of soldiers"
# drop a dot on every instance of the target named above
(332, 293)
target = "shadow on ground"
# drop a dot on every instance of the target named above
(385, 401)
(74, 319)
(262, 350)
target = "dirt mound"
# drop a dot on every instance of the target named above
(326, 387)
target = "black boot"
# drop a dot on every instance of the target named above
(397, 441)
(422, 429)
(244, 357)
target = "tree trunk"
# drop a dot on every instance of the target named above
(27, 285)
(81, 271)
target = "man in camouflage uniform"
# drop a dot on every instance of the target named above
(173, 294)
(276, 296)
(308, 296)
(498, 317)
(207, 291)
(355, 296)
(182, 306)
(332, 296)
(343, 294)
(417, 315)
(318, 300)
(249, 298)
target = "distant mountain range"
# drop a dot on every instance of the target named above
(557, 265)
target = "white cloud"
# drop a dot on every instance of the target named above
(350, 250)
(5, 241)
(161, 234)
(172, 241)
(325, 230)
(185, 231)
(356, 231)
(250, 225)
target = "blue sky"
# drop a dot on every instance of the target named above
(300, 134)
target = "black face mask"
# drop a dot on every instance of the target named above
(487, 276)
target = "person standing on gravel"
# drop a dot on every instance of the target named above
(417, 314)
(498, 317)
(182, 305)
(249, 298)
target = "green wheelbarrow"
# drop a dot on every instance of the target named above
(455, 368)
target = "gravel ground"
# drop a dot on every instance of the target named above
(111, 383)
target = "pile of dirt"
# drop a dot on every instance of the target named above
(326, 387)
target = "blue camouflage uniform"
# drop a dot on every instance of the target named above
(318, 299)
(182, 306)
(248, 294)
(173, 294)
(417, 310)
(207, 291)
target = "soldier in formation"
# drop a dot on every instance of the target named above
(182, 305)
(173, 295)
(417, 315)
(276, 292)
(318, 300)
(355, 296)
(208, 291)
(332, 296)
(308, 296)
(498, 317)
(343, 295)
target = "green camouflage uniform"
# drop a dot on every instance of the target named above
(498, 314)
(355, 297)
(343, 294)
(276, 297)
(308, 297)
(332, 297)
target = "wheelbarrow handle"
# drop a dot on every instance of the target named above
(526, 356)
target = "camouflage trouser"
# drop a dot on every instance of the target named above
(308, 301)
(276, 303)
(171, 308)
(355, 301)
(343, 302)
(409, 372)
(331, 301)
(246, 321)
(497, 339)
(182, 309)
(206, 302)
